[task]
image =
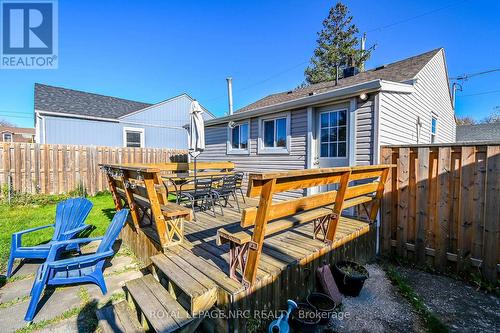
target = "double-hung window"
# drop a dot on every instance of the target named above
(239, 139)
(274, 135)
(133, 137)
(433, 129)
(7, 137)
(333, 134)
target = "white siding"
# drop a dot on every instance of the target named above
(364, 132)
(399, 112)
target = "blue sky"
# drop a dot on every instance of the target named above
(152, 50)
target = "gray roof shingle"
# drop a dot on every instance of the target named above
(479, 132)
(399, 71)
(69, 101)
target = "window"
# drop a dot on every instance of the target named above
(433, 129)
(274, 135)
(333, 134)
(7, 137)
(133, 137)
(239, 141)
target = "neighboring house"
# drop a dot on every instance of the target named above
(66, 116)
(479, 133)
(17, 134)
(328, 124)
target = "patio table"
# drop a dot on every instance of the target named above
(178, 180)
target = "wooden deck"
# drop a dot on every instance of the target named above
(286, 269)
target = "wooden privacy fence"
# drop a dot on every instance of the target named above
(54, 169)
(442, 206)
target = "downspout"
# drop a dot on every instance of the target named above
(376, 153)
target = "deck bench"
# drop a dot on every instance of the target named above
(140, 188)
(357, 186)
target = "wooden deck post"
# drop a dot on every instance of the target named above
(112, 188)
(337, 208)
(379, 194)
(160, 223)
(259, 233)
(134, 213)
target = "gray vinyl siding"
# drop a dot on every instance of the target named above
(162, 124)
(216, 140)
(399, 112)
(364, 132)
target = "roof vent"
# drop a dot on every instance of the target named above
(312, 93)
(380, 67)
(289, 92)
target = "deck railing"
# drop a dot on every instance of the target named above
(441, 206)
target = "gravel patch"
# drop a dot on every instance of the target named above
(457, 305)
(378, 308)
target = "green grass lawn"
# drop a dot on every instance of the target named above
(17, 218)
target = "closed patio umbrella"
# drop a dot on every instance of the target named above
(196, 132)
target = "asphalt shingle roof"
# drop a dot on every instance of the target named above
(479, 132)
(69, 101)
(399, 71)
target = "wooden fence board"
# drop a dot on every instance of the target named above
(455, 202)
(54, 169)
(492, 214)
(467, 163)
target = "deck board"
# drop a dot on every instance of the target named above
(205, 262)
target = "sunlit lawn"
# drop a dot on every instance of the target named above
(16, 218)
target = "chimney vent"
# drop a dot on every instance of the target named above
(230, 94)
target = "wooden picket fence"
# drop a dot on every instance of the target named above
(55, 169)
(441, 206)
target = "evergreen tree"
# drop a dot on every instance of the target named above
(338, 47)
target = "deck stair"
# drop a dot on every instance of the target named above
(118, 318)
(157, 310)
(187, 285)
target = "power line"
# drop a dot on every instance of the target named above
(468, 76)
(482, 93)
(455, 3)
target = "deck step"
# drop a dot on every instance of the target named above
(190, 287)
(118, 318)
(157, 309)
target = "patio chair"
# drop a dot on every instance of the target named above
(69, 222)
(239, 183)
(86, 268)
(225, 190)
(201, 196)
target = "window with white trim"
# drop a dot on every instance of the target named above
(238, 141)
(433, 129)
(274, 134)
(133, 137)
(7, 137)
(333, 134)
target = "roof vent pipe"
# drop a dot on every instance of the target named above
(230, 94)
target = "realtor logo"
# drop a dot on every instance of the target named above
(28, 34)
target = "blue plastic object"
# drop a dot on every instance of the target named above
(281, 325)
(86, 268)
(69, 222)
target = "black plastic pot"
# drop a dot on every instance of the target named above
(324, 304)
(349, 283)
(304, 319)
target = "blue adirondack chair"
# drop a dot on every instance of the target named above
(69, 222)
(86, 268)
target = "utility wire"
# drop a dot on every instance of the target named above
(455, 3)
(482, 93)
(468, 76)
